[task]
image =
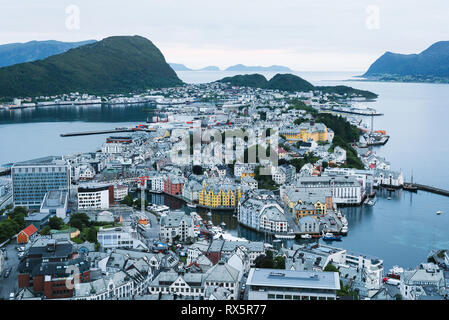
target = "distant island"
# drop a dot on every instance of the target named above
(273, 68)
(291, 82)
(14, 53)
(182, 67)
(431, 65)
(113, 65)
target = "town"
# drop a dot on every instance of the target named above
(81, 226)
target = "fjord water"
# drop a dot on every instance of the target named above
(400, 231)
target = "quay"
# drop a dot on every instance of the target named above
(87, 133)
(430, 189)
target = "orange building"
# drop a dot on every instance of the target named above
(25, 234)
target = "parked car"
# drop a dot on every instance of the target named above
(7, 273)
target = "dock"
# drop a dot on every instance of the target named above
(430, 189)
(87, 133)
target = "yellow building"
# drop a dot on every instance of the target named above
(214, 196)
(304, 132)
(247, 173)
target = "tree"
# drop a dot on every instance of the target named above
(45, 231)
(279, 262)
(56, 223)
(128, 200)
(91, 235)
(330, 268)
(79, 221)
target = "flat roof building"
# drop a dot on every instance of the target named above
(32, 179)
(275, 284)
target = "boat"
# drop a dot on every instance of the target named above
(223, 224)
(285, 236)
(306, 236)
(439, 212)
(389, 198)
(331, 236)
(191, 205)
(395, 272)
(209, 214)
(370, 202)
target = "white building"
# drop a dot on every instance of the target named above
(176, 224)
(113, 148)
(55, 203)
(119, 238)
(120, 192)
(275, 284)
(94, 196)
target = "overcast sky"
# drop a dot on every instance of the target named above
(318, 35)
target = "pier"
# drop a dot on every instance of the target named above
(430, 189)
(87, 133)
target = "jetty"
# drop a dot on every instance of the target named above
(117, 130)
(430, 189)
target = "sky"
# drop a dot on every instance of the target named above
(318, 35)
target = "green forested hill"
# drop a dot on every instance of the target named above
(115, 64)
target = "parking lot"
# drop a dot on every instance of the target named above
(11, 260)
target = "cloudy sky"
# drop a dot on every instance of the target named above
(318, 35)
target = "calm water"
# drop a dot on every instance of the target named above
(400, 230)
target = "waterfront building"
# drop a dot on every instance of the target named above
(113, 148)
(95, 196)
(220, 195)
(191, 190)
(157, 182)
(388, 178)
(176, 224)
(275, 284)
(427, 280)
(345, 190)
(262, 213)
(32, 179)
(173, 185)
(308, 224)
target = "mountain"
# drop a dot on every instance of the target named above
(210, 68)
(432, 63)
(247, 80)
(291, 82)
(14, 53)
(179, 67)
(273, 68)
(112, 65)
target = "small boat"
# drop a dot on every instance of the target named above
(209, 214)
(370, 202)
(191, 205)
(306, 236)
(439, 212)
(389, 198)
(285, 236)
(223, 224)
(331, 236)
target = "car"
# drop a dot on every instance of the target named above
(7, 273)
(11, 296)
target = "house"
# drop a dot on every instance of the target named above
(176, 224)
(283, 174)
(25, 235)
(173, 185)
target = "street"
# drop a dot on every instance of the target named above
(8, 285)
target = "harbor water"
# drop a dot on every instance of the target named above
(399, 231)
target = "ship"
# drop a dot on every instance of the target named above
(306, 236)
(331, 237)
(395, 272)
(285, 236)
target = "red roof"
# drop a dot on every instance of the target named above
(31, 229)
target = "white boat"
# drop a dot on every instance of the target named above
(191, 205)
(439, 212)
(209, 214)
(306, 236)
(285, 236)
(344, 229)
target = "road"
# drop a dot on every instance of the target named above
(9, 284)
